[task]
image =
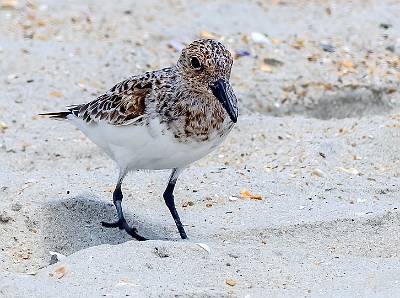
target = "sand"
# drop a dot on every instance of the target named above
(317, 139)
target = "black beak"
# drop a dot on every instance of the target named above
(223, 92)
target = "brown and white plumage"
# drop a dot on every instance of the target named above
(123, 105)
(164, 119)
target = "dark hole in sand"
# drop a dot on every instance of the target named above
(73, 224)
(349, 105)
(346, 103)
(355, 104)
(372, 236)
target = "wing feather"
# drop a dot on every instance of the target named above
(123, 104)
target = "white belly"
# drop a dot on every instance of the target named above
(145, 147)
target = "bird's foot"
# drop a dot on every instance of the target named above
(123, 225)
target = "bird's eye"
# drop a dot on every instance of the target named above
(195, 63)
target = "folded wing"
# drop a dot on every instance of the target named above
(123, 104)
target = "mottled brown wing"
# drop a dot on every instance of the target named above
(123, 104)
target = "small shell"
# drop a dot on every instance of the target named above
(258, 37)
(231, 282)
(351, 171)
(205, 247)
(318, 173)
(59, 272)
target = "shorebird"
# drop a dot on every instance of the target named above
(164, 119)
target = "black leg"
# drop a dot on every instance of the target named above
(121, 222)
(169, 201)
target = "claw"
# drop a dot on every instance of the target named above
(123, 225)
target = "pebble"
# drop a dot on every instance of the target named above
(53, 260)
(16, 207)
(242, 53)
(385, 26)
(4, 217)
(56, 257)
(273, 62)
(161, 252)
(328, 47)
(391, 48)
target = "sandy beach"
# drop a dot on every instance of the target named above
(302, 200)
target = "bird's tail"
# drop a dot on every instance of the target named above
(57, 115)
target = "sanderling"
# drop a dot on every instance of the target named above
(165, 119)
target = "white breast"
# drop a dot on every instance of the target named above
(145, 146)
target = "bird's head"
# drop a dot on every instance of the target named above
(205, 65)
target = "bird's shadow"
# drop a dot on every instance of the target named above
(69, 225)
